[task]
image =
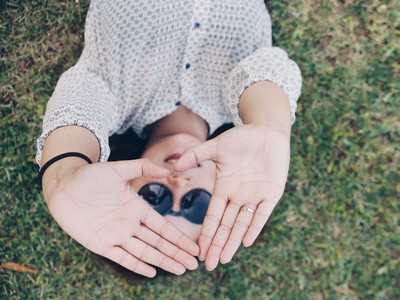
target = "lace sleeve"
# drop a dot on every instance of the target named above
(267, 63)
(82, 97)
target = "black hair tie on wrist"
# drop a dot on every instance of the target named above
(57, 158)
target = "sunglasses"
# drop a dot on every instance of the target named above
(194, 204)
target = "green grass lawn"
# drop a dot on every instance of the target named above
(334, 235)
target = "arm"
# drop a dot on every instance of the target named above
(269, 64)
(266, 104)
(252, 159)
(95, 203)
(252, 166)
(82, 110)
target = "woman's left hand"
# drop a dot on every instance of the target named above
(252, 166)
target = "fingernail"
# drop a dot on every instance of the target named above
(192, 264)
(211, 266)
(180, 270)
(201, 257)
(224, 261)
(246, 244)
(151, 274)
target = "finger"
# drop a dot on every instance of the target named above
(192, 156)
(125, 259)
(129, 169)
(167, 230)
(222, 235)
(211, 222)
(167, 248)
(146, 253)
(261, 217)
(240, 228)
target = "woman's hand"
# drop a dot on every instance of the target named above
(96, 206)
(252, 166)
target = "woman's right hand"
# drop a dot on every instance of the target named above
(96, 206)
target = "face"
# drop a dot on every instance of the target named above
(164, 152)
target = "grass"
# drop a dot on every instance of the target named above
(335, 234)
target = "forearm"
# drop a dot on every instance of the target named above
(265, 103)
(62, 140)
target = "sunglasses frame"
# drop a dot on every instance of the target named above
(168, 193)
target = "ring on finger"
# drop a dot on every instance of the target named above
(246, 208)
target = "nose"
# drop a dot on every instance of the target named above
(179, 180)
(179, 184)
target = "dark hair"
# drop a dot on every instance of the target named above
(130, 146)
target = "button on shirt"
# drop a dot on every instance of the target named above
(142, 59)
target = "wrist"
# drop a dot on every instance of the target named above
(266, 104)
(272, 126)
(64, 140)
(59, 171)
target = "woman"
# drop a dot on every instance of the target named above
(174, 72)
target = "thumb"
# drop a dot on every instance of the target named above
(129, 169)
(192, 156)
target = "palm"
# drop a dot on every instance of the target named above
(252, 161)
(252, 165)
(97, 207)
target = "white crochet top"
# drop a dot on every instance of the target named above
(144, 58)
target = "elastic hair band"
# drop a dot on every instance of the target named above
(57, 158)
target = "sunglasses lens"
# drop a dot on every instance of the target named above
(158, 196)
(195, 205)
